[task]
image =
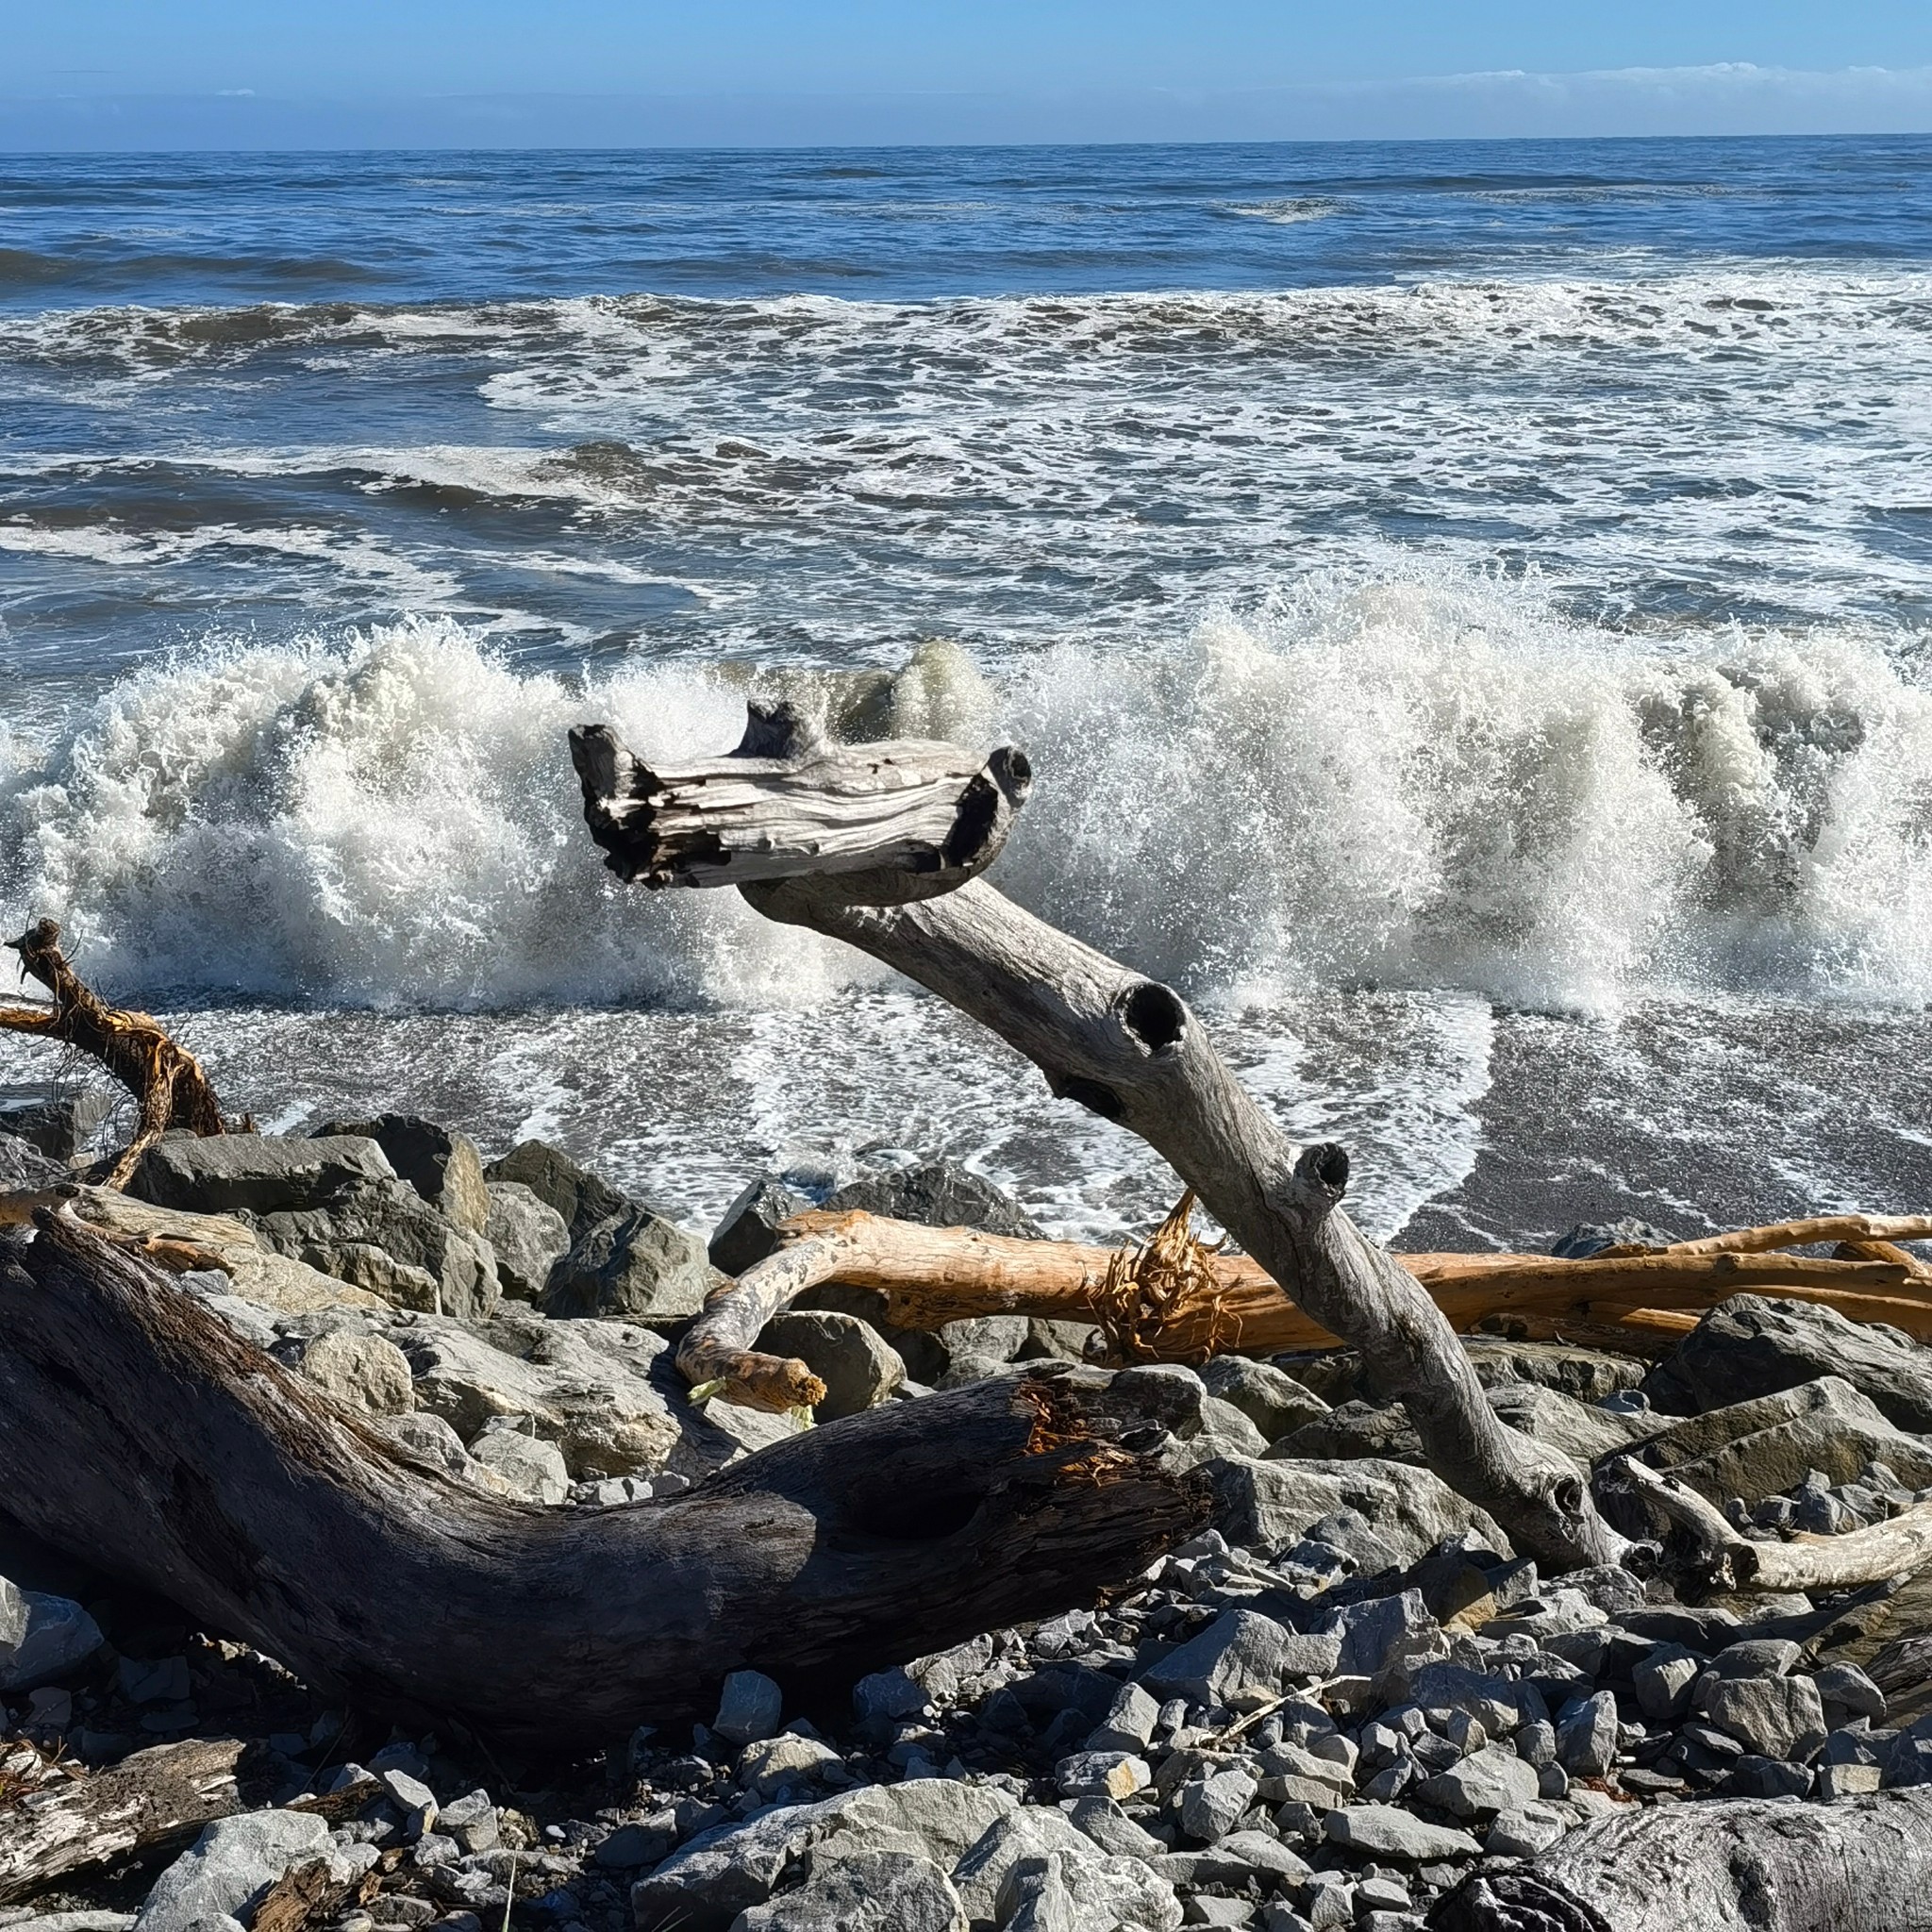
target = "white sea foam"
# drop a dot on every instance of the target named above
(1424, 781)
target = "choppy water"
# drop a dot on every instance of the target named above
(1469, 608)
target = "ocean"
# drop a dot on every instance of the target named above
(1468, 607)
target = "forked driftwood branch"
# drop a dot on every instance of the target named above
(164, 1077)
(1124, 1045)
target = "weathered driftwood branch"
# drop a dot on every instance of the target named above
(155, 1801)
(1725, 1558)
(1128, 1048)
(164, 1077)
(1173, 1300)
(138, 1432)
(1725, 1865)
(897, 820)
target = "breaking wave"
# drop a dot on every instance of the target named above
(1437, 781)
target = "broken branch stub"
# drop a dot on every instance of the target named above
(1128, 1048)
(895, 821)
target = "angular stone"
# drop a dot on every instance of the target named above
(1775, 1717)
(1491, 1781)
(51, 1117)
(1851, 1691)
(533, 1468)
(859, 1370)
(771, 1765)
(635, 1264)
(527, 1237)
(1128, 1723)
(643, 1841)
(863, 1891)
(56, 1636)
(1587, 1373)
(1766, 1777)
(1236, 1661)
(440, 1164)
(384, 1236)
(1210, 1807)
(1100, 1890)
(749, 1231)
(1525, 1833)
(1769, 1445)
(1102, 1774)
(705, 1883)
(366, 1371)
(890, 1697)
(556, 1180)
(1498, 1705)
(255, 1174)
(1374, 1631)
(751, 1705)
(472, 1822)
(1579, 1430)
(153, 1680)
(1273, 1504)
(1587, 1735)
(1381, 1831)
(231, 1864)
(1752, 1345)
(937, 1194)
(1589, 1238)
(1663, 1682)
(1275, 1402)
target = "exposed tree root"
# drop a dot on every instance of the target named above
(165, 1079)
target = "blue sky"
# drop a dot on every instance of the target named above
(174, 72)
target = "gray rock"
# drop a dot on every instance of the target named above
(1275, 1402)
(1663, 1681)
(56, 1637)
(1375, 1630)
(859, 1370)
(986, 1338)
(1210, 1807)
(1102, 1774)
(442, 1166)
(231, 1864)
(1128, 1723)
(1267, 1505)
(1847, 1687)
(366, 1371)
(1766, 1777)
(1381, 1831)
(23, 1168)
(472, 1822)
(527, 1237)
(749, 1231)
(862, 1891)
(890, 1697)
(788, 1761)
(635, 1264)
(1101, 1889)
(937, 1194)
(750, 1707)
(1112, 1830)
(51, 1117)
(255, 1174)
(705, 1883)
(430, 1440)
(382, 1235)
(1525, 1833)
(533, 1468)
(1587, 1735)
(1578, 1429)
(643, 1841)
(1591, 1238)
(1354, 1431)
(1586, 1374)
(1493, 1780)
(1775, 1717)
(153, 1680)
(1759, 1656)
(558, 1182)
(1498, 1705)
(1750, 1346)
(1225, 1431)
(1769, 1445)
(1236, 1661)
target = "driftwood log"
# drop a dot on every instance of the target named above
(1124, 1045)
(1722, 1865)
(138, 1432)
(164, 1077)
(1171, 1299)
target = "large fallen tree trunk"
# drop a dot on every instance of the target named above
(164, 1077)
(138, 1432)
(1727, 1865)
(1121, 1044)
(1173, 1300)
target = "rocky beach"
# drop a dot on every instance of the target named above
(1343, 1701)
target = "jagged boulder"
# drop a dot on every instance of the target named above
(440, 1164)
